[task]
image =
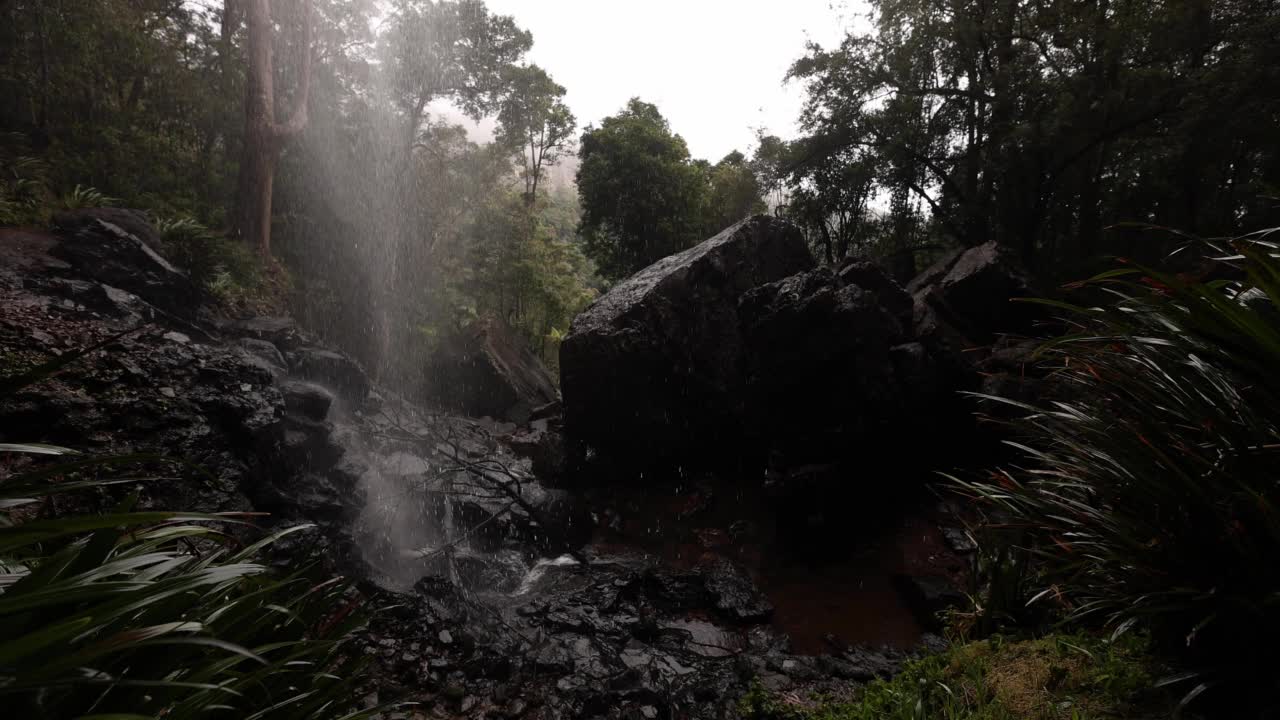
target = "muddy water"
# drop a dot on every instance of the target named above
(825, 599)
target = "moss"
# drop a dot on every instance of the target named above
(1059, 677)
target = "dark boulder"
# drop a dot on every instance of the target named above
(820, 370)
(1012, 370)
(651, 370)
(334, 370)
(282, 332)
(964, 306)
(310, 444)
(973, 291)
(265, 355)
(486, 370)
(134, 222)
(542, 443)
(112, 255)
(871, 277)
(734, 596)
(306, 399)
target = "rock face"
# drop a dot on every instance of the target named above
(741, 351)
(134, 222)
(820, 350)
(110, 253)
(650, 370)
(966, 316)
(336, 370)
(972, 291)
(486, 370)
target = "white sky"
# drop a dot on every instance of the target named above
(714, 68)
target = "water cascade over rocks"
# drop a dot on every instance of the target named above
(681, 531)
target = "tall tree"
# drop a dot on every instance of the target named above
(116, 94)
(641, 196)
(733, 193)
(1039, 124)
(533, 118)
(452, 49)
(264, 136)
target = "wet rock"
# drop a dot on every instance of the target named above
(265, 355)
(1011, 370)
(818, 350)
(958, 539)
(563, 521)
(486, 369)
(649, 372)
(332, 369)
(306, 399)
(871, 277)
(736, 597)
(315, 497)
(867, 664)
(102, 298)
(544, 446)
(972, 291)
(134, 222)
(497, 510)
(928, 597)
(552, 411)
(282, 332)
(113, 256)
(921, 380)
(675, 591)
(310, 444)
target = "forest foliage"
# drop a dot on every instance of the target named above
(398, 224)
(1038, 125)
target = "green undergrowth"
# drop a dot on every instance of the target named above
(109, 611)
(1058, 677)
(228, 269)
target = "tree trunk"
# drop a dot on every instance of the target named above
(264, 138)
(42, 120)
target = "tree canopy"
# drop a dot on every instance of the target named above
(533, 119)
(1038, 124)
(644, 198)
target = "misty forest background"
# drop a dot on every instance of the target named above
(951, 123)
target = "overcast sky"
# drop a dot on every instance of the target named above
(713, 67)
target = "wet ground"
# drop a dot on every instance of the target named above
(846, 592)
